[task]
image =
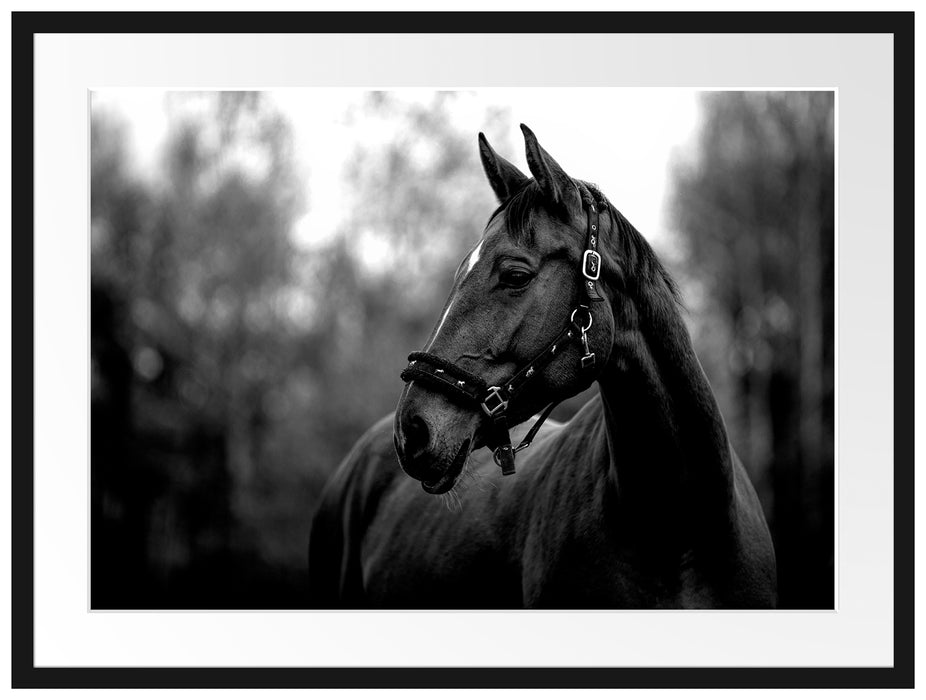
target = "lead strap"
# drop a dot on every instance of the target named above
(504, 454)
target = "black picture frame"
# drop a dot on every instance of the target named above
(25, 25)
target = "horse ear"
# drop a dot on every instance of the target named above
(504, 177)
(553, 180)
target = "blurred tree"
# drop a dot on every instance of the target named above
(121, 496)
(755, 208)
(196, 264)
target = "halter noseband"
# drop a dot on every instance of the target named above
(468, 389)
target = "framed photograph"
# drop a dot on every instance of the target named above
(356, 350)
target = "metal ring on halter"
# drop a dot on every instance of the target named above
(588, 311)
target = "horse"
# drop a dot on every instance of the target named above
(638, 501)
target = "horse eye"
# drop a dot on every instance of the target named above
(516, 279)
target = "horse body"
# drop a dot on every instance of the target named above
(638, 501)
(553, 537)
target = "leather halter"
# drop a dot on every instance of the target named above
(468, 389)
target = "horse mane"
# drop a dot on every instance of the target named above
(626, 240)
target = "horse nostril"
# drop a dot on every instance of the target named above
(417, 437)
(413, 448)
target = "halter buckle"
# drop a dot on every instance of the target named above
(591, 265)
(494, 403)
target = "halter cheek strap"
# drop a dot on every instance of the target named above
(472, 391)
(591, 259)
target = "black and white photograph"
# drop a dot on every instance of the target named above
(555, 348)
(462, 349)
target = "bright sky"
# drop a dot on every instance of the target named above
(621, 139)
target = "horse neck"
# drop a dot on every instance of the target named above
(668, 449)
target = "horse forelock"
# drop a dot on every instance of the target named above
(518, 211)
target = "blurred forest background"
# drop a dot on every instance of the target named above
(231, 363)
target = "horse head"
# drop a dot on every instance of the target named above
(526, 286)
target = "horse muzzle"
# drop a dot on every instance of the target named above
(419, 459)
